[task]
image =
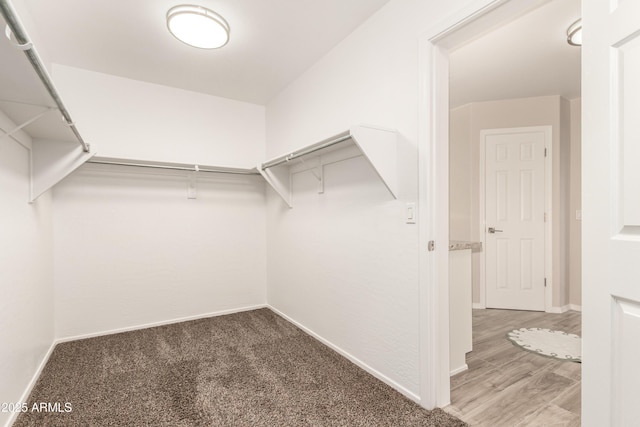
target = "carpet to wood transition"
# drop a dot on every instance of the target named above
(246, 369)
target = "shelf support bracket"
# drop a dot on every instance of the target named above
(192, 188)
(319, 175)
(321, 179)
(279, 180)
(377, 145)
(25, 124)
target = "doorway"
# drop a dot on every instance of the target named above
(436, 48)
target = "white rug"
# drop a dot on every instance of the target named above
(556, 344)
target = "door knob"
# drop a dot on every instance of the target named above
(493, 230)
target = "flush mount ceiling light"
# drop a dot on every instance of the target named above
(198, 26)
(574, 33)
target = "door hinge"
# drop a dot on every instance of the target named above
(545, 282)
(545, 151)
(431, 246)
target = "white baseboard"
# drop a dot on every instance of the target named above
(554, 310)
(459, 369)
(160, 323)
(558, 310)
(352, 358)
(32, 383)
(565, 308)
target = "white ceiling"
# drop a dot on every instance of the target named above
(272, 41)
(526, 57)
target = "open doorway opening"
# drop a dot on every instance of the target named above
(436, 46)
(515, 77)
(520, 74)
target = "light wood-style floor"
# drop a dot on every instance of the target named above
(507, 386)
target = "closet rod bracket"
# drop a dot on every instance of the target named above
(192, 186)
(25, 46)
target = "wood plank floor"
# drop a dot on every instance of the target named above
(507, 386)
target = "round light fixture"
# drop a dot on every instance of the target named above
(198, 26)
(574, 33)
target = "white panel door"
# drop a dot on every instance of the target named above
(611, 218)
(514, 218)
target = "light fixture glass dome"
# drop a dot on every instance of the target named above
(574, 33)
(198, 26)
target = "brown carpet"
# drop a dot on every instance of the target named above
(245, 369)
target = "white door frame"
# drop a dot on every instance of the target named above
(548, 197)
(433, 152)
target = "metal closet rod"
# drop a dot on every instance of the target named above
(174, 167)
(20, 34)
(304, 152)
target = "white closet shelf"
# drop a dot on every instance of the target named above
(62, 150)
(377, 145)
(23, 43)
(173, 166)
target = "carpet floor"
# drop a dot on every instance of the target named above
(245, 369)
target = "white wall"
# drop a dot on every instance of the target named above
(564, 221)
(131, 249)
(26, 295)
(540, 111)
(344, 264)
(460, 177)
(575, 204)
(131, 119)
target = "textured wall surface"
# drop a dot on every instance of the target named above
(131, 249)
(26, 294)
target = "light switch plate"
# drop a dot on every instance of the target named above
(411, 213)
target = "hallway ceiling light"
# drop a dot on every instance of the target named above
(198, 26)
(574, 33)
